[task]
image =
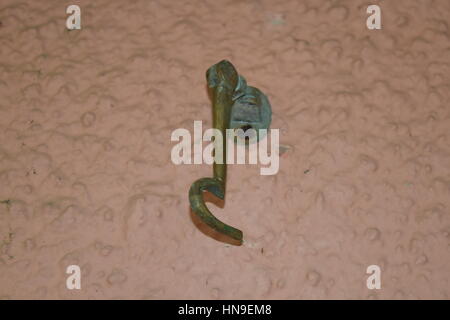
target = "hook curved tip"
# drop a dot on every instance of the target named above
(199, 207)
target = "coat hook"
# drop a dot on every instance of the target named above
(235, 106)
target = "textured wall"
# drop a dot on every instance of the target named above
(85, 170)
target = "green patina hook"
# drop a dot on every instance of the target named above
(235, 106)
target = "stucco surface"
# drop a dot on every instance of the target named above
(86, 176)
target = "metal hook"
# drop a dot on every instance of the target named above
(235, 105)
